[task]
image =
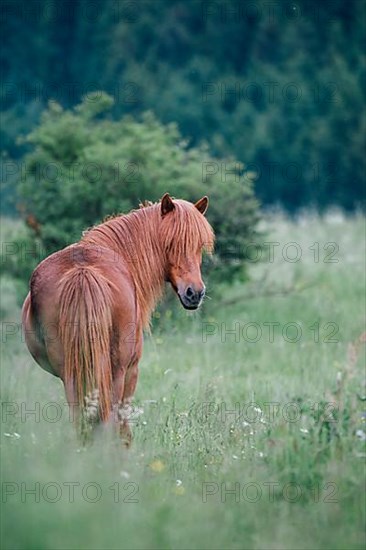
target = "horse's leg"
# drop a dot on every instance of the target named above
(125, 408)
(130, 386)
(124, 382)
(73, 402)
(118, 391)
(85, 417)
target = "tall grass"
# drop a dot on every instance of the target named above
(248, 439)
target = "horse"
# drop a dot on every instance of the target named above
(89, 303)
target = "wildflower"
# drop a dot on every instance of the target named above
(157, 466)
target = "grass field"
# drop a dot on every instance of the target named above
(250, 439)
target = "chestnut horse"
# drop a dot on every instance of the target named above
(88, 304)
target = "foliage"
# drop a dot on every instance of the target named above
(20, 253)
(83, 167)
(296, 72)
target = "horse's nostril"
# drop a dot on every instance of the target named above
(193, 296)
(189, 292)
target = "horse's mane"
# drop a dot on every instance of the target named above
(144, 239)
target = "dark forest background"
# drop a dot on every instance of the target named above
(277, 85)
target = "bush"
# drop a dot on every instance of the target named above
(84, 166)
(20, 253)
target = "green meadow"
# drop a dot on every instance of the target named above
(248, 420)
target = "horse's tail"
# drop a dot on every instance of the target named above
(85, 323)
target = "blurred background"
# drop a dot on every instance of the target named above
(105, 104)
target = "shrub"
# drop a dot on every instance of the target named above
(83, 166)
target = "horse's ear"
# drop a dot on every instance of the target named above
(167, 205)
(202, 205)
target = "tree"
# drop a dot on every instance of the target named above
(281, 83)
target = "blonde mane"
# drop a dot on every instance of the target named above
(145, 240)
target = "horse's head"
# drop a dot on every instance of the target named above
(186, 233)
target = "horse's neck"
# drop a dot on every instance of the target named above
(134, 238)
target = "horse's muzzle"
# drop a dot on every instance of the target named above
(191, 299)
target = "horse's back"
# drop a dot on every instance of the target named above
(46, 278)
